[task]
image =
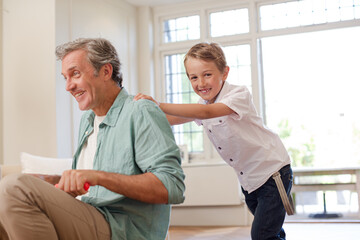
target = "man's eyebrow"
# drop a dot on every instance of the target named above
(69, 69)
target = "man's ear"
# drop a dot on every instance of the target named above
(106, 70)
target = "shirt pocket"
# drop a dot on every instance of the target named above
(221, 128)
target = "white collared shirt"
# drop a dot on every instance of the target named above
(243, 141)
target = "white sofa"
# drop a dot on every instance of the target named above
(37, 164)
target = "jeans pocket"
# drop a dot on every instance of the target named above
(287, 177)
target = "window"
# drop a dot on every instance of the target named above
(311, 83)
(274, 54)
(179, 90)
(229, 22)
(181, 29)
(307, 12)
(239, 60)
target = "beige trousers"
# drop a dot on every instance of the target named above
(31, 208)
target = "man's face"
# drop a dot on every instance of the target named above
(81, 81)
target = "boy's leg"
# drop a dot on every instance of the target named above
(269, 214)
(250, 200)
(33, 209)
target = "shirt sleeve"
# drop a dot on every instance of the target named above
(156, 150)
(239, 99)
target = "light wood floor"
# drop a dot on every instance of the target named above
(294, 231)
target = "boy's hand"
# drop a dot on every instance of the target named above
(143, 96)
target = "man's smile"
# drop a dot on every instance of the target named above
(78, 94)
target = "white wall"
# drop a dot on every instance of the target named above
(28, 78)
(38, 114)
(146, 51)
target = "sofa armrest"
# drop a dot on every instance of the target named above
(8, 169)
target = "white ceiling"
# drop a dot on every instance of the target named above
(154, 2)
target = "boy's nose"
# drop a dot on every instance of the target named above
(202, 82)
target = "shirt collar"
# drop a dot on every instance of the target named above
(113, 113)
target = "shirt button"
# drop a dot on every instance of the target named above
(220, 121)
(241, 173)
(231, 160)
(86, 132)
(209, 130)
(219, 148)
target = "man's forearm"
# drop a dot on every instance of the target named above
(143, 187)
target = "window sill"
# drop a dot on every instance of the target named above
(203, 164)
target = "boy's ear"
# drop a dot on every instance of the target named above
(226, 73)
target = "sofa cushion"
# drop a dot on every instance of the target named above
(44, 165)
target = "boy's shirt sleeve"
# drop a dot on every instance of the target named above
(239, 99)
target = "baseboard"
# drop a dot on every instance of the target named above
(236, 215)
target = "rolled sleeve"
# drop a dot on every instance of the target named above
(156, 150)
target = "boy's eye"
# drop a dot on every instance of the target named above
(193, 78)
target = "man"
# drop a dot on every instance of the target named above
(126, 153)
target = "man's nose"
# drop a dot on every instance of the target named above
(69, 85)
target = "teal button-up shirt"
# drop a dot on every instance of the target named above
(134, 138)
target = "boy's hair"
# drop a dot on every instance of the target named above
(208, 52)
(99, 52)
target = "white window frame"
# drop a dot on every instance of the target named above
(253, 38)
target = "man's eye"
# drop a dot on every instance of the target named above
(76, 73)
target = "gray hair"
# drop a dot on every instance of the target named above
(99, 52)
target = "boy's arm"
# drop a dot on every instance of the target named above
(182, 113)
(174, 120)
(196, 111)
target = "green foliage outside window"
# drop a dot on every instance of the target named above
(302, 153)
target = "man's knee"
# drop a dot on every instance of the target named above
(12, 180)
(9, 186)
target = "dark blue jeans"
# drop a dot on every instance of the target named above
(268, 210)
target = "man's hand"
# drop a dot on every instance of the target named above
(73, 181)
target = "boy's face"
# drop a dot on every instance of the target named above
(206, 79)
